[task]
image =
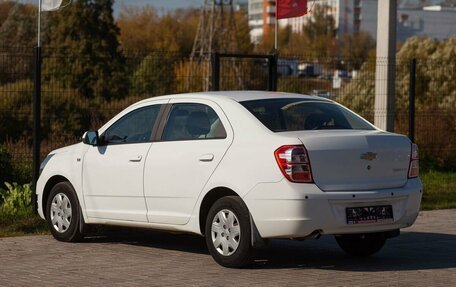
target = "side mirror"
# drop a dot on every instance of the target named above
(91, 138)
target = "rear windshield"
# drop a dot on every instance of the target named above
(280, 115)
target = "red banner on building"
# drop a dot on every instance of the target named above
(290, 8)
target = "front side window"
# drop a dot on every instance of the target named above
(135, 127)
(281, 115)
(191, 122)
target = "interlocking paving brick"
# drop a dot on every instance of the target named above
(424, 255)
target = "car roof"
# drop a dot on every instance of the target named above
(238, 96)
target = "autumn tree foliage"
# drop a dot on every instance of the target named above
(84, 50)
(17, 34)
(145, 29)
(356, 48)
(168, 40)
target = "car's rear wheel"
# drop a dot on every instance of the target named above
(361, 244)
(63, 213)
(228, 233)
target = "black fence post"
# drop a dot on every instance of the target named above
(215, 61)
(36, 126)
(412, 100)
(272, 73)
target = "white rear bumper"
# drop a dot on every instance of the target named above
(292, 210)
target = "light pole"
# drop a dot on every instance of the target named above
(43, 5)
(385, 71)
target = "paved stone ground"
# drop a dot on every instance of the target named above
(424, 255)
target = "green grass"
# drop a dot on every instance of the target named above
(32, 225)
(16, 213)
(439, 190)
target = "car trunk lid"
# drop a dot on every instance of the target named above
(346, 160)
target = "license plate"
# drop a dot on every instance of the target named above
(369, 214)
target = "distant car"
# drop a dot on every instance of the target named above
(309, 70)
(321, 93)
(239, 168)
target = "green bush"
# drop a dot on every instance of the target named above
(22, 172)
(6, 169)
(17, 201)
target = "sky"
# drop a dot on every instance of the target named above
(175, 4)
(159, 4)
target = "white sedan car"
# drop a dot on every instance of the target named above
(239, 168)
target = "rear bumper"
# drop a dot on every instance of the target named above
(292, 210)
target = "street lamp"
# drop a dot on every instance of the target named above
(43, 6)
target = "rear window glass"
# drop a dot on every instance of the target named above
(280, 115)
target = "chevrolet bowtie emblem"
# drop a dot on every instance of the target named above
(369, 156)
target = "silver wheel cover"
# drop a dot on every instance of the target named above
(225, 232)
(61, 213)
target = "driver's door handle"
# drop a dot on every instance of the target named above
(136, 158)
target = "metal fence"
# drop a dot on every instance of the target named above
(83, 92)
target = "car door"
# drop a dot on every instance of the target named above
(194, 140)
(113, 172)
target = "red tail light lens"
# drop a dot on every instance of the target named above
(294, 163)
(414, 167)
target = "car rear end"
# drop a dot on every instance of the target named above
(344, 177)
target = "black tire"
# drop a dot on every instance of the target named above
(243, 254)
(361, 244)
(72, 233)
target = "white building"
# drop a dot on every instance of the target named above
(256, 21)
(353, 16)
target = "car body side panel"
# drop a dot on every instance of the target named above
(251, 141)
(175, 171)
(113, 181)
(66, 162)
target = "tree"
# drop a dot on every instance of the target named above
(143, 29)
(154, 76)
(357, 48)
(435, 95)
(243, 32)
(137, 27)
(317, 38)
(321, 32)
(17, 37)
(85, 53)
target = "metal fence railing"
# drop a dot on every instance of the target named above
(83, 92)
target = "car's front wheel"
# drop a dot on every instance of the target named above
(228, 233)
(63, 214)
(361, 244)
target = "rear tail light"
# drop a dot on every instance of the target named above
(294, 163)
(414, 167)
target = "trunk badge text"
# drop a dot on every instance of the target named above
(368, 156)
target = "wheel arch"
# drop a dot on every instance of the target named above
(48, 187)
(209, 199)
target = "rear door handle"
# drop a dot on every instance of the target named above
(206, 157)
(136, 158)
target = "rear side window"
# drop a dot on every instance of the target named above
(193, 122)
(280, 115)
